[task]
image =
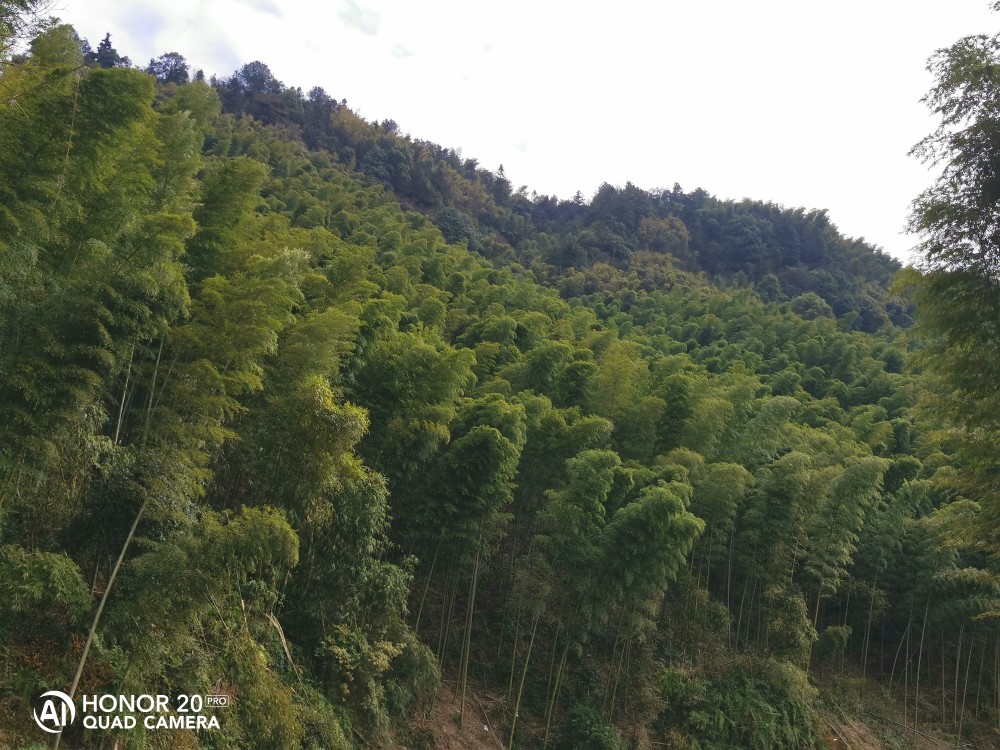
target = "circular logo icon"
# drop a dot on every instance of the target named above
(57, 712)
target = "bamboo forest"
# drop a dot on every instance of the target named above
(343, 430)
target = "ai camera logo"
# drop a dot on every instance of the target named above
(57, 713)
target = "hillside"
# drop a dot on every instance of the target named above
(783, 253)
(306, 413)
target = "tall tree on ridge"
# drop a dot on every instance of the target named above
(958, 297)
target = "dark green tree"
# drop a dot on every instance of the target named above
(958, 220)
(170, 67)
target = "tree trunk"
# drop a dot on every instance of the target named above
(467, 644)
(448, 625)
(445, 594)
(708, 565)
(847, 605)
(944, 712)
(614, 650)
(554, 702)
(100, 610)
(739, 620)
(979, 681)
(616, 672)
(427, 585)
(513, 656)
(868, 628)
(819, 598)
(902, 640)
(958, 669)
(152, 389)
(622, 666)
(552, 664)
(920, 657)
(524, 674)
(729, 573)
(121, 406)
(965, 689)
(906, 669)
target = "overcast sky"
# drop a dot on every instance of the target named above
(801, 103)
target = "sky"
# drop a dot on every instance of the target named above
(799, 103)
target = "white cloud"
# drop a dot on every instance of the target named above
(359, 17)
(264, 6)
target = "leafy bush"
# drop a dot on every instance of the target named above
(754, 705)
(587, 730)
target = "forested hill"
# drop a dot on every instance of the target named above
(270, 432)
(783, 253)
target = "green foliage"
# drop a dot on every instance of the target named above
(834, 530)
(956, 297)
(647, 542)
(833, 642)
(747, 706)
(790, 633)
(587, 730)
(32, 582)
(19, 21)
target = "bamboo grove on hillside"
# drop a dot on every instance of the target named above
(358, 417)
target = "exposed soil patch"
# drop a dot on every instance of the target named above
(439, 727)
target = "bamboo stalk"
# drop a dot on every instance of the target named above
(524, 674)
(944, 713)
(152, 389)
(920, 656)
(617, 669)
(448, 625)
(100, 611)
(555, 695)
(513, 656)
(552, 665)
(892, 675)
(958, 669)
(965, 689)
(906, 670)
(467, 645)
(121, 406)
(979, 681)
(427, 585)
(444, 613)
(739, 621)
